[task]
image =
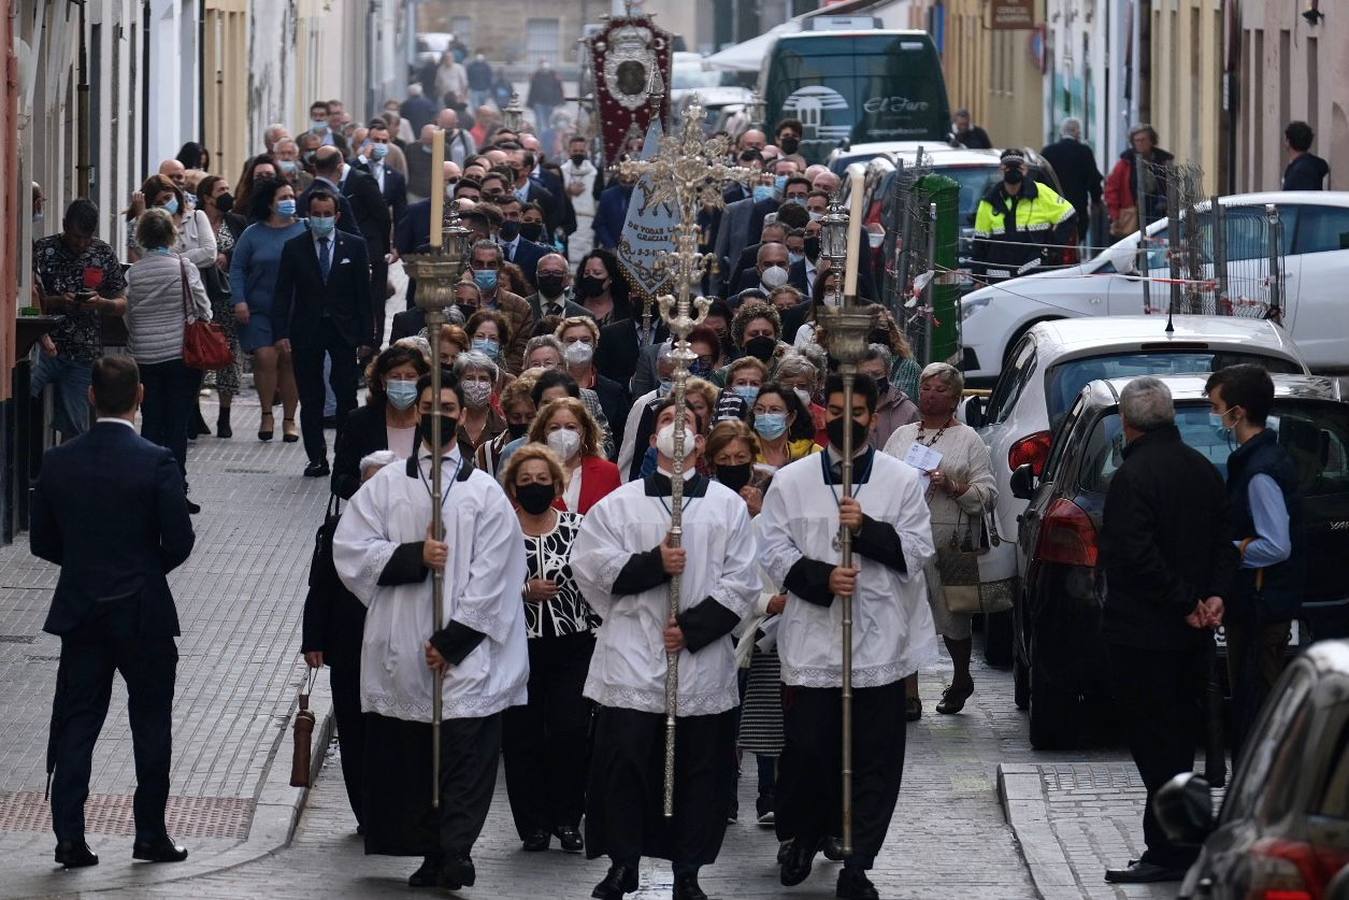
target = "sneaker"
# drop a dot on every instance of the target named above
(764, 808)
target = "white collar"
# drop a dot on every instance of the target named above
(127, 422)
(688, 473)
(424, 453)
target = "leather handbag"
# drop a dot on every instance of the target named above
(301, 760)
(204, 343)
(958, 565)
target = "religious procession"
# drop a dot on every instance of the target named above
(691, 420)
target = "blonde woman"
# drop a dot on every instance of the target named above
(567, 428)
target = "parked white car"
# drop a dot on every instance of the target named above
(1316, 263)
(1052, 361)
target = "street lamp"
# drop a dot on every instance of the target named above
(513, 116)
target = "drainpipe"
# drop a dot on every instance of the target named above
(82, 166)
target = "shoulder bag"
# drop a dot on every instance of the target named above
(204, 343)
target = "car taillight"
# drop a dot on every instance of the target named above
(1292, 870)
(1067, 536)
(1032, 450)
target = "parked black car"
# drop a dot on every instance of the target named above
(1283, 831)
(1057, 647)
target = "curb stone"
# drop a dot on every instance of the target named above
(1021, 792)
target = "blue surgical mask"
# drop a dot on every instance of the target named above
(794, 258)
(764, 192)
(781, 183)
(489, 346)
(322, 225)
(747, 392)
(771, 426)
(288, 166)
(663, 389)
(485, 279)
(379, 151)
(401, 394)
(798, 200)
(285, 207)
(318, 126)
(1219, 423)
(191, 200)
(171, 206)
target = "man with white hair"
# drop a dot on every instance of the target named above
(273, 133)
(1075, 165)
(825, 181)
(1168, 564)
(459, 144)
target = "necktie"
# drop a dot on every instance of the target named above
(325, 258)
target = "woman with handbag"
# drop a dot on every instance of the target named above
(164, 294)
(228, 226)
(961, 490)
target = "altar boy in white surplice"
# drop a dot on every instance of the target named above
(385, 556)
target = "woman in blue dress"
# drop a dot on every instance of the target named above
(253, 269)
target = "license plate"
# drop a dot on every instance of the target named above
(1220, 635)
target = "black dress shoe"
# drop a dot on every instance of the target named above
(853, 884)
(160, 850)
(794, 868)
(1140, 872)
(317, 469)
(427, 874)
(570, 839)
(913, 709)
(833, 849)
(953, 699)
(75, 854)
(193, 508)
(686, 887)
(620, 880)
(457, 873)
(536, 842)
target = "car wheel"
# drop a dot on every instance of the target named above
(1053, 712)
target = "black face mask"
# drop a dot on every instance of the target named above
(517, 429)
(225, 202)
(789, 145)
(578, 159)
(509, 231)
(551, 285)
(835, 431)
(882, 388)
(735, 477)
(812, 248)
(1012, 176)
(535, 498)
(761, 348)
(531, 231)
(448, 429)
(589, 286)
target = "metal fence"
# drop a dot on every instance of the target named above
(1210, 258)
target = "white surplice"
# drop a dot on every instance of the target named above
(483, 578)
(628, 666)
(893, 634)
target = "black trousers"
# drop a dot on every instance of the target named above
(83, 689)
(399, 819)
(379, 294)
(346, 686)
(810, 770)
(1159, 696)
(308, 352)
(546, 743)
(170, 397)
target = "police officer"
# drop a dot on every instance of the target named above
(1017, 221)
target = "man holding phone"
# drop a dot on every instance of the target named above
(80, 279)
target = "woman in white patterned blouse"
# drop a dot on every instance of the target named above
(546, 743)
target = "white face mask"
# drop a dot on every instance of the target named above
(774, 277)
(803, 395)
(665, 441)
(578, 353)
(564, 442)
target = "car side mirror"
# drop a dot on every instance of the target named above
(1184, 807)
(1023, 482)
(1124, 259)
(974, 412)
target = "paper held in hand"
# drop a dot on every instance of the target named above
(925, 460)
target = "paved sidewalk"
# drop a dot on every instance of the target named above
(239, 597)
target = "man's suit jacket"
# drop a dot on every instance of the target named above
(303, 298)
(413, 229)
(619, 348)
(732, 238)
(866, 283)
(757, 213)
(566, 213)
(535, 192)
(569, 307)
(110, 510)
(611, 214)
(372, 212)
(346, 222)
(394, 192)
(615, 402)
(527, 256)
(407, 323)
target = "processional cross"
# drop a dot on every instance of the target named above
(688, 172)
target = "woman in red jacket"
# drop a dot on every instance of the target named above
(568, 429)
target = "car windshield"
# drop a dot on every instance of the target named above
(688, 78)
(1315, 434)
(1065, 380)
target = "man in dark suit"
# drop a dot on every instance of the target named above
(530, 190)
(620, 346)
(375, 223)
(612, 213)
(552, 298)
(323, 307)
(327, 174)
(394, 192)
(109, 509)
(1079, 177)
(514, 247)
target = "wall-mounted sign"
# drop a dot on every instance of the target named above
(1009, 15)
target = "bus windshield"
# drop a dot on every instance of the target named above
(857, 88)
